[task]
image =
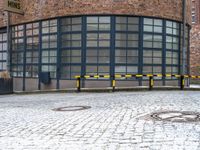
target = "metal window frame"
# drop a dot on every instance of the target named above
(3, 51)
(112, 47)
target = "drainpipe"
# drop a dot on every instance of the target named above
(183, 39)
(8, 41)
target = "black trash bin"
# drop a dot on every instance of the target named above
(6, 86)
(45, 77)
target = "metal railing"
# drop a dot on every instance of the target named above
(150, 77)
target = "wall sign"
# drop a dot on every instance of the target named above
(13, 6)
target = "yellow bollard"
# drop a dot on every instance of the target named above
(113, 85)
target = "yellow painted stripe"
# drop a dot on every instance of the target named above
(96, 76)
(183, 82)
(118, 76)
(168, 75)
(177, 76)
(77, 84)
(128, 76)
(159, 75)
(199, 77)
(77, 76)
(87, 76)
(152, 82)
(139, 75)
(113, 83)
(149, 75)
(194, 77)
(186, 76)
(106, 76)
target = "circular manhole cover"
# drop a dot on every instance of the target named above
(177, 116)
(72, 108)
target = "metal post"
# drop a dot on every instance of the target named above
(113, 84)
(40, 54)
(58, 72)
(8, 42)
(182, 82)
(184, 37)
(78, 84)
(24, 61)
(151, 83)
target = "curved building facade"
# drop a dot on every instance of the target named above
(93, 37)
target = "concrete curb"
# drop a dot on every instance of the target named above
(105, 90)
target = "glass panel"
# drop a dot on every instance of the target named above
(158, 22)
(148, 21)
(148, 28)
(92, 19)
(77, 20)
(120, 69)
(133, 20)
(92, 27)
(121, 20)
(121, 27)
(104, 20)
(132, 69)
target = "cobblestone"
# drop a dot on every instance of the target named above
(116, 121)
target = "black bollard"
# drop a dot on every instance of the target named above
(78, 84)
(182, 82)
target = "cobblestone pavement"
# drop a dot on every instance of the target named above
(116, 121)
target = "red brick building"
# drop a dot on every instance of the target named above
(195, 38)
(65, 38)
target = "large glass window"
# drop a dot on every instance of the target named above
(126, 45)
(152, 46)
(32, 49)
(3, 50)
(49, 47)
(98, 45)
(81, 45)
(71, 45)
(172, 47)
(18, 50)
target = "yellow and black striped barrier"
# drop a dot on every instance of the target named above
(150, 76)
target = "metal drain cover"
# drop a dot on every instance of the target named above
(72, 108)
(177, 116)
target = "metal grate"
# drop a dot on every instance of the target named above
(72, 108)
(176, 116)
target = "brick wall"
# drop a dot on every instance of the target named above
(41, 9)
(1, 13)
(196, 10)
(195, 50)
(195, 40)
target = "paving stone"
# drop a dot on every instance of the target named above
(115, 122)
